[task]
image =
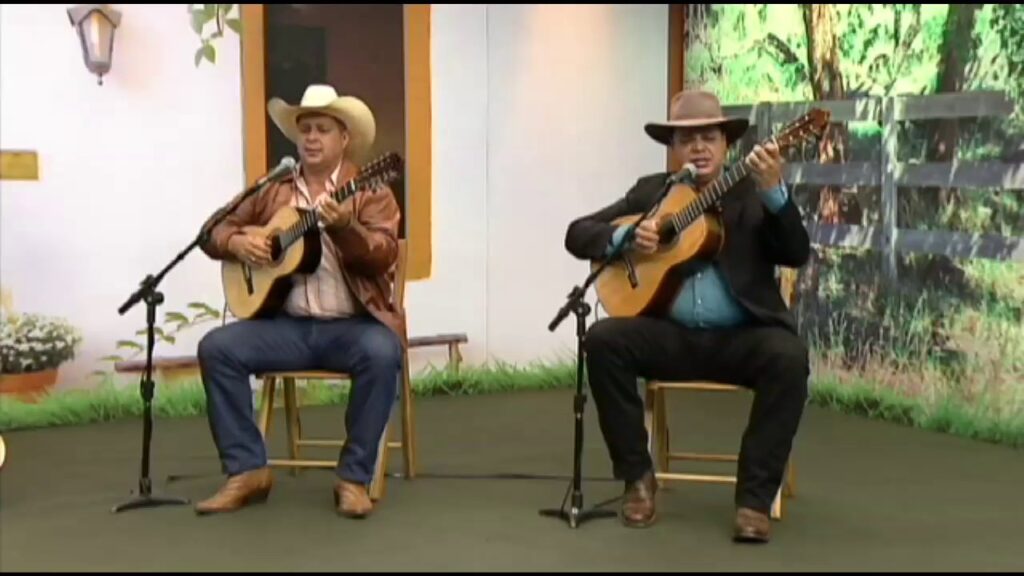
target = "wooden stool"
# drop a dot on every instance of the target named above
(294, 426)
(655, 414)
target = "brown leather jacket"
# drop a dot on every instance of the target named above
(368, 246)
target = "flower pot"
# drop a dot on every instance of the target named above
(28, 387)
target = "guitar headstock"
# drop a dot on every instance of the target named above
(812, 124)
(385, 168)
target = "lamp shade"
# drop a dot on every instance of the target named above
(96, 25)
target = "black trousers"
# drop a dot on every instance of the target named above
(772, 361)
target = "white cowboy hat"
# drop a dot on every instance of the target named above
(323, 99)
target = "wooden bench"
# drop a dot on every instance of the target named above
(452, 341)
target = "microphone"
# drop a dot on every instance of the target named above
(687, 174)
(286, 165)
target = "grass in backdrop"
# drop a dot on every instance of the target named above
(947, 414)
(852, 395)
(943, 350)
(186, 398)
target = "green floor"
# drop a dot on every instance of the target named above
(871, 496)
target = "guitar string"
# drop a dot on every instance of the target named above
(681, 220)
(309, 219)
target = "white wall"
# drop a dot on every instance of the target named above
(538, 115)
(569, 90)
(454, 298)
(127, 170)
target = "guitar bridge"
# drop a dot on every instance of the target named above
(247, 275)
(630, 271)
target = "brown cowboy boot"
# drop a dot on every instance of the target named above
(638, 502)
(242, 489)
(752, 527)
(352, 500)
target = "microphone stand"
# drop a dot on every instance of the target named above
(578, 306)
(148, 292)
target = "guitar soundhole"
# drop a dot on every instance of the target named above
(666, 236)
(275, 247)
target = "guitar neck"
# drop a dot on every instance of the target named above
(310, 219)
(812, 124)
(709, 197)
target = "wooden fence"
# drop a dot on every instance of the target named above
(890, 174)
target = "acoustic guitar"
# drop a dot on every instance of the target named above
(295, 247)
(691, 232)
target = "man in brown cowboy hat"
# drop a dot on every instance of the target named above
(728, 322)
(339, 318)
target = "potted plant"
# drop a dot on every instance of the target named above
(32, 348)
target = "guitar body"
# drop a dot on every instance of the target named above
(257, 292)
(295, 246)
(659, 275)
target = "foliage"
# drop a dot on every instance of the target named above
(758, 52)
(943, 412)
(1007, 21)
(109, 402)
(201, 15)
(950, 332)
(33, 343)
(864, 397)
(944, 332)
(174, 323)
(745, 60)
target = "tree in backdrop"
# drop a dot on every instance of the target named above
(826, 79)
(1007, 21)
(749, 54)
(761, 53)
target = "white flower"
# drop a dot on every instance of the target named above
(35, 342)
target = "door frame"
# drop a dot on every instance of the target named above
(418, 153)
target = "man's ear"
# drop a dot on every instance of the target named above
(345, 138)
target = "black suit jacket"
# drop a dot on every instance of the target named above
(756, 241)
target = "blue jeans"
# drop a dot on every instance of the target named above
(362, 347)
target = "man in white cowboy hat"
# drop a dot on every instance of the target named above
(339, 318)
(728, 322)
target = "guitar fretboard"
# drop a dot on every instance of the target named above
(680, 220)
(309, 219)
(379, 172)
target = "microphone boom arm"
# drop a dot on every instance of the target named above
(150, 282)
(148, 291)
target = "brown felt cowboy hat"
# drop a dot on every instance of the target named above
(694, 109)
